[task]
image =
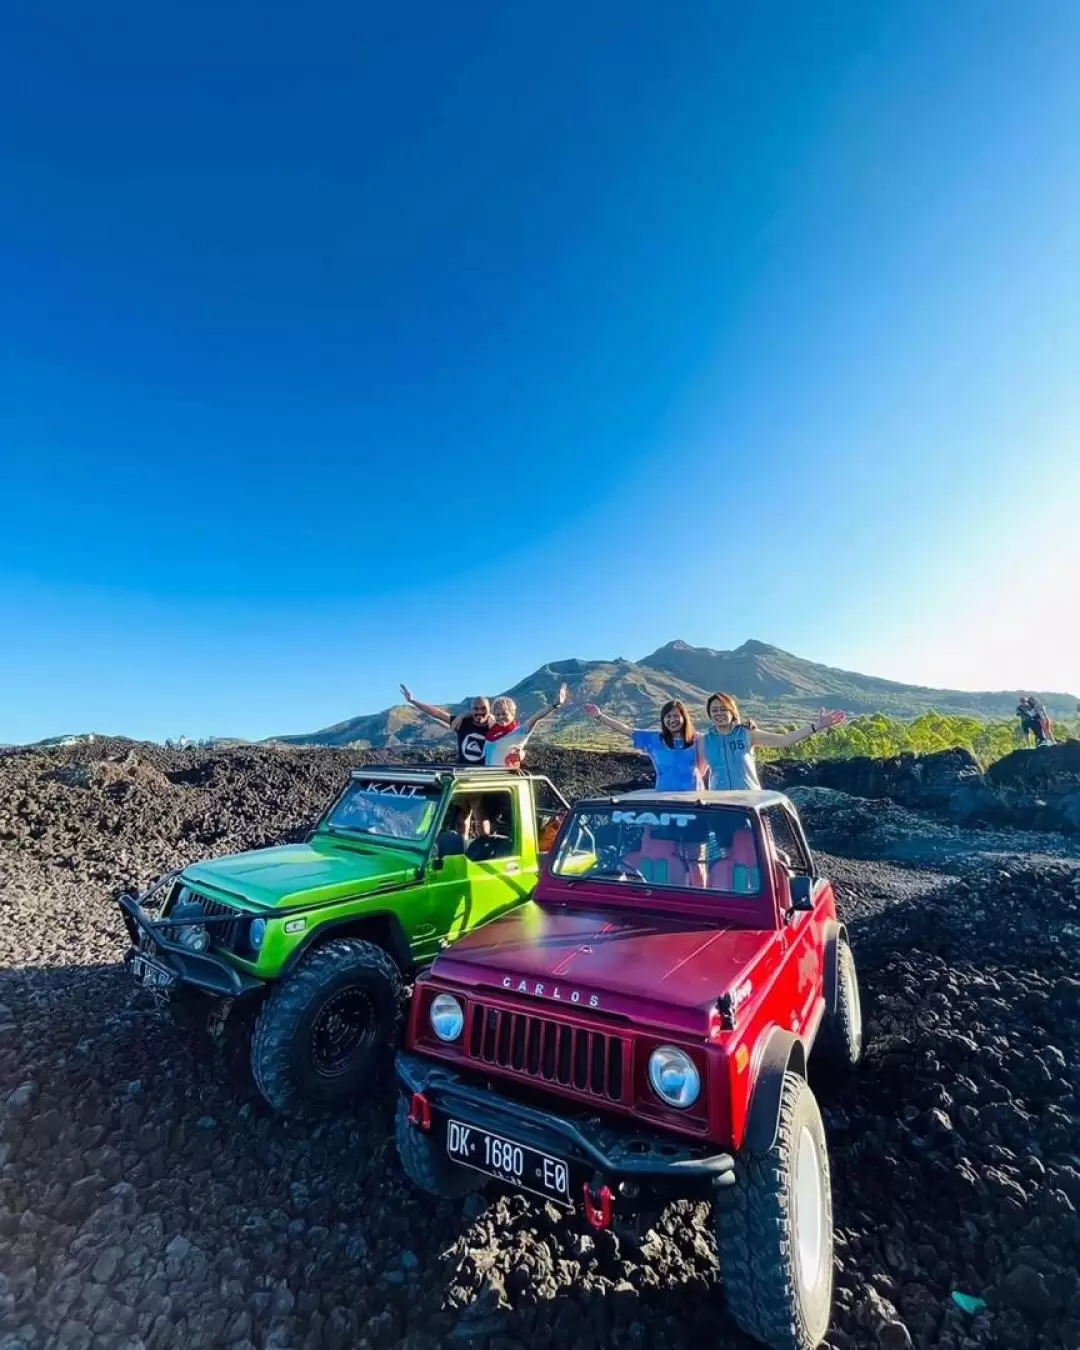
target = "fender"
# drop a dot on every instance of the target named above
(782, 1052)
(834, 931)
(392, 937)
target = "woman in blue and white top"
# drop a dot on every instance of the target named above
(725, 753)
(673, 749)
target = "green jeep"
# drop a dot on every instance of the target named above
(316, 941)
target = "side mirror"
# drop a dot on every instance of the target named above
(449, 844)
(802, 893)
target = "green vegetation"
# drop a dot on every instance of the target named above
(883, 737)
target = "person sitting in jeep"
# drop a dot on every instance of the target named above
(470, 728)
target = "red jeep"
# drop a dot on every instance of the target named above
(640, 1033)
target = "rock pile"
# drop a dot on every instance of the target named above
(1027, 790)
(148, 1200)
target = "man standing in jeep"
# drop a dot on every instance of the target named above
(471, 729)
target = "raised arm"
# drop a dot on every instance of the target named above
(591, 710)
(560, 701)
(701, 762)
(777, 740)
(439, 714)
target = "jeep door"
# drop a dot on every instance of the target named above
(499, 868)
(802, 933)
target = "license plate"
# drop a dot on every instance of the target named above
(502, 1158)
(150, 974)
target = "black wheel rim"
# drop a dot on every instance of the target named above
(343, 1031)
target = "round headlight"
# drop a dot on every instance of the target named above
(194, 937)
(256, 933)
(673, 1076)
(447, 1018)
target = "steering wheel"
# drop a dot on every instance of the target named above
(619, 870)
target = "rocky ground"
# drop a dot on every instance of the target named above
(147, 1200)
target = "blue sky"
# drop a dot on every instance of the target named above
(357, 343)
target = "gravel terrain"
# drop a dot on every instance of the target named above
(148, 1199)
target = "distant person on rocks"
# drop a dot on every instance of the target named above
(471, 728)
(726, 750)
(1034, 721)
(506, 736)
(1043, 733)
(673, 749)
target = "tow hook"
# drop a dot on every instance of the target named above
(598, 1206)
(420, 1111)
(217, 1017)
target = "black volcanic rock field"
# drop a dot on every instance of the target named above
(149, 1199)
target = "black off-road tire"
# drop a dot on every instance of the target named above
(290, 1063)
(775, 1289)
(841, 1036)
(424, 1164)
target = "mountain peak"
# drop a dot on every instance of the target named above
(752, 647)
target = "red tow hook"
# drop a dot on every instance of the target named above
(420, 1111)
(598, 1209)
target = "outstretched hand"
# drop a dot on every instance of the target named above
(826, 720)
(407, 693)
(591, 710)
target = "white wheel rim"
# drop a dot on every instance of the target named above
(856, 1012)
(809, 1213)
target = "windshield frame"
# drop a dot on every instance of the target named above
(640, 892)
(422, 844)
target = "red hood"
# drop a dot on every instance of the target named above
(664, 971)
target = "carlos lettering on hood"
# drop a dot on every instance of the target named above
(542, 991)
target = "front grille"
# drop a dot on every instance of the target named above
(227, 932)
(547, 1051)
(222, 934)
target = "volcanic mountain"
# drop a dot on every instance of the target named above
(772, 685)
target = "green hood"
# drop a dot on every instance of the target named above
(297, 876)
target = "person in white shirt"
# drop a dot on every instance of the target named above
(506, 737)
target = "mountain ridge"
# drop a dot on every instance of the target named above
(773, 685)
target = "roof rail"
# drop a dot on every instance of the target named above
(445, 770)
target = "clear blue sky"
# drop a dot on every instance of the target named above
(348, 343)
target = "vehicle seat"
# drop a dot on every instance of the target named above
(659, 860)
(738, 872)
(488, 847)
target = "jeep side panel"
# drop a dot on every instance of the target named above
(800, 978)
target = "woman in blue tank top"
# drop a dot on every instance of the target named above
(673, 749)
(726, 751)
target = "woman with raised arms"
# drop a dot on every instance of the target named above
(673, 749)
(725, 753)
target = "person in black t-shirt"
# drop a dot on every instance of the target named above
(470, 729)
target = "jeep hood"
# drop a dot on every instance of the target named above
(665, 971)
(299, 875)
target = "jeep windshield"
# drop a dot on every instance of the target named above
(384, 809)
(709, 850)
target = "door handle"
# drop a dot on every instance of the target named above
(511, 868)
